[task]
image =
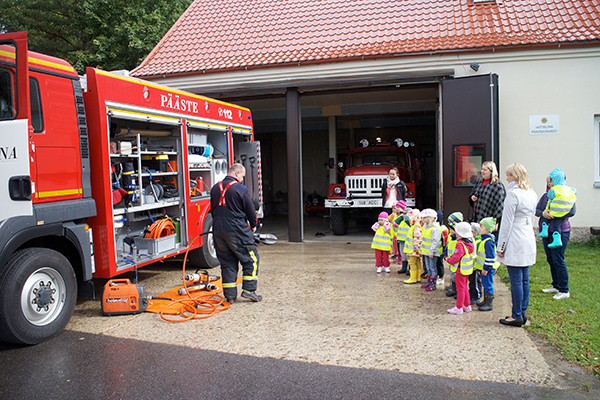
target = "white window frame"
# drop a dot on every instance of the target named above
(597, 151)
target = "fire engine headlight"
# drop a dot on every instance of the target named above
(337, 190)
(399, 142)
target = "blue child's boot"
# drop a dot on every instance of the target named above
(556, 242)
(544, 232)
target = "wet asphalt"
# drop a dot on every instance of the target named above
(82, 366)
(301, 342)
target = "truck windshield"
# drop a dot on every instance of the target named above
(7, 110)
(378, 158)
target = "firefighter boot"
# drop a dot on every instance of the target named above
(404, 267)
(556, 241)
(544, 232)
(413, 277)
(452, 291)
(487, 303)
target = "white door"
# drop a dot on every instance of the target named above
(15, 195)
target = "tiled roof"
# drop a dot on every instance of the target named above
(232, 34)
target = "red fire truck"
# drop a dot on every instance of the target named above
(367, 166)
(102, 174)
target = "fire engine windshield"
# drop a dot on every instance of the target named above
(378, 158)
(6, 96)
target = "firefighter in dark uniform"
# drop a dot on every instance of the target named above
(234, 224)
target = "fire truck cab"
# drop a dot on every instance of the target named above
(102, 174)
(366, 168)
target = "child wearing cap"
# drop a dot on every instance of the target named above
(403, 226)
(475, 286)
(486, 259)
(461, 262)
(430, 246)
(453, 219)
(396, 213)
(412, 247)
(382, 242)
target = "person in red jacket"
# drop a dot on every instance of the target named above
(461, 263)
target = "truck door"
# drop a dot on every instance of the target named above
(470, 136)
(15, 199)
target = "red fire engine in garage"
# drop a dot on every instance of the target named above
(102, 175)
(366, 168)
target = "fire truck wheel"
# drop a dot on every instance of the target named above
(339, 221)
(205, 256)
(38, 293)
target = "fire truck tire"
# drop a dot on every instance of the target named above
(205, 256)
(339, 221)
(38, 293)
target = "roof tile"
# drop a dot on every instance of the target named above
(228, 34)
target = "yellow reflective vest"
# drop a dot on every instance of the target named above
(480, 259)
(382, 240)
(466, 262)
(402, 231)
(564, 200)
(409, 244)
(428, 238)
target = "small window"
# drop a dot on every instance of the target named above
(37, 120)
(467, 164)
(7, 109)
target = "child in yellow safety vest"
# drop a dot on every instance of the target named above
(475, 285)
(461, 263)
(382, 242)
(396, 213)
(412, 247)
(431, 246)
(486, 260)
(561, 203)
(453, 219)
(401, 232)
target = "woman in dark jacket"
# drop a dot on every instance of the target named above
(393, 190)
(487, 196)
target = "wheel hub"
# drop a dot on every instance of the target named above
(43, 296)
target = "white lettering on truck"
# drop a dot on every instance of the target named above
(177, 103)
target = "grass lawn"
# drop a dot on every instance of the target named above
(571, 325)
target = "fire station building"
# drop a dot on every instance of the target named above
(464, 80)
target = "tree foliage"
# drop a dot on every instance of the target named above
(107, 34)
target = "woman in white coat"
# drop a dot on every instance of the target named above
(516, 240)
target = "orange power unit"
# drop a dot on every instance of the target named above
(121, 297)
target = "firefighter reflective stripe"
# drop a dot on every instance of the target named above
(381, 240)
(403, 228)
(229, 285)
(254, 276)
(563, 202)
(428, 241)
(466, 262)
(481, 260)
(223, 191)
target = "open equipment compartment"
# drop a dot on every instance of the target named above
(146, 164)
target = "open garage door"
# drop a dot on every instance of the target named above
(470, 136)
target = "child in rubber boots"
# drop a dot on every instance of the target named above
(475, 286)
(461, 262)
(486, 260)
(430, 246)
(396, 213)
(382, 242)
(453, 219)
(561, 202)
(403, 226)
(412, 247)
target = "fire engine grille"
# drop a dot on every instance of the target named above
(364, 186)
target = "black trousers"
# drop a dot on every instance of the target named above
(233, 248)
(475, 285)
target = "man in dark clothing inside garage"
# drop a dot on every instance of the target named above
(234, 224)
